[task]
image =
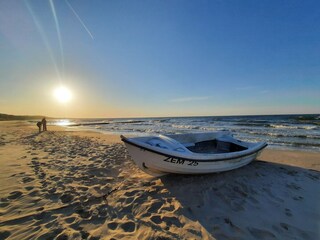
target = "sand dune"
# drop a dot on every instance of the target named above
(78, 185)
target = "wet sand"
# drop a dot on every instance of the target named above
(65, 184)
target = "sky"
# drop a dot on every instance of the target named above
(159, 58)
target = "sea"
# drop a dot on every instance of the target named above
(297, 132)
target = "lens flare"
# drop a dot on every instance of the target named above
(58, 32)
(80, 20)
(44, 38)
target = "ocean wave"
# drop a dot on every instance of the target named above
(185, 126)
(130, 121)
(305, 144)
(294, 144)
(142, 124)
(280, 135)
(88, 124)
(161, 120)
(292, 131)
(252, 124)
(285, 126)
(308, 117)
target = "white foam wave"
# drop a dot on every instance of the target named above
(281, 126)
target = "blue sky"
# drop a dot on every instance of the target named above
(160, 58)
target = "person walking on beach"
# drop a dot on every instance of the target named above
(39, 126)
(44, 124)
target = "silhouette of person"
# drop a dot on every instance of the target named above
(44, 124)
(39, 126)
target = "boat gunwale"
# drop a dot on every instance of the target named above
(126, 140)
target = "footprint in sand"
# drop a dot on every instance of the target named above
(261, 234)
(70, 220)
(128, 226)
(40, 209)
(42, 175)
(52, 190)
(297, 198)
(288, 212)
(47, 235)
(83, 213)
(102, 211)
(27, 179)
(3, 204)
(44, 183)
(84, 189)
(292, 172)
(112, 225)
(62, 237)
(129, 200)
(228, 221)
(34, 193)
(61, 184)
(293, 186)
(272, 195)
(15, 195)
(4, 200)
(4, 234)
(132, 193)
(40, 216)
(35, 163)
(313, 176)
(155, 207)
(85, 235)
(65, 198)
(156, 219)
(55, 179)
(284, 226)
(172, 221)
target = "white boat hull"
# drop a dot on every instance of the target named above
(157, 164)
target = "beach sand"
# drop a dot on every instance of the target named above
(65, 184)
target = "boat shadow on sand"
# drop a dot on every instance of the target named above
(260, 201)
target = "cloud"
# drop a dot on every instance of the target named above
(190, 99)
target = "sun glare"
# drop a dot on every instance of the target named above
(62, 94)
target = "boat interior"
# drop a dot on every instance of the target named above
(203, 143)
(197, 143)
(215, 146)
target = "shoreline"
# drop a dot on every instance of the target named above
(65, 184)
(292, 157)
(80, 128)
(272, 147)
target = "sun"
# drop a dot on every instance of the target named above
(62, 94)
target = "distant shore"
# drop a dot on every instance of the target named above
(8, 117)
(80, 184)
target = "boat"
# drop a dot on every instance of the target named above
(191, 153)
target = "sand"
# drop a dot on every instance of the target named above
(65, 184)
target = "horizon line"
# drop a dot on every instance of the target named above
(185, 116)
